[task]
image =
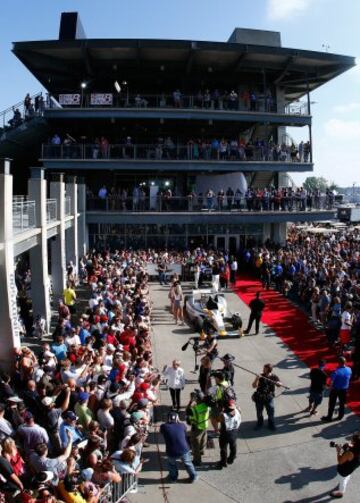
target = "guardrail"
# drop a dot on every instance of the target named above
(196, 203)
(171, 152)
(15, 115)
(51, 210)
(116, 491)
(177, 100)
(67, 206)
(24, 217)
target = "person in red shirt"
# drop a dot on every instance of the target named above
(127, 337)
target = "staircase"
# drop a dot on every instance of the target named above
(26, 135)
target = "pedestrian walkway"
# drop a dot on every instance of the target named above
(295, 464)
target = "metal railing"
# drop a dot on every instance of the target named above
(67, 206)
(116, 491)
(203, 203)
(23, 215)
(172, 152)
(176, 100)
(17, 114)
(51, 210)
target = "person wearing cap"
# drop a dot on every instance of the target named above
(197, 413)
(69, 424)
(83, 412)
(216, 394)
(177, 447)
(228, 370)
(30, 434)
(340, 382)
(230, 421)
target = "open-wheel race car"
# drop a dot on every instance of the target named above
(206, 310)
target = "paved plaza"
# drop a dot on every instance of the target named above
(295, 464)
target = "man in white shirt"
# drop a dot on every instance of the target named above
(175, 377)
(229, 424)
(233, 270)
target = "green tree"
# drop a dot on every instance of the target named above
(316, 182)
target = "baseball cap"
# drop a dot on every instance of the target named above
(69, 414)
(173, 417)
(83, 396)
(86, 474)
(137, 416)
(47, 401)
(28, 415)
(143, 402)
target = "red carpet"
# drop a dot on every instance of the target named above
(292, 326)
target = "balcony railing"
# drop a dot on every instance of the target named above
(171, 152)
(67, 206)
(202, 203)
(51, 210)
(242, 103)
(23, 215)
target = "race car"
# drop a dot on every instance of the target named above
(206, 310)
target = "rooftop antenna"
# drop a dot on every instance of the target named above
(326, 47)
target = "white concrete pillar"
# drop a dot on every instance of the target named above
(83, 236)
(58, 252)
(71, 240)
(279, 233)
(10, 328)
(40, 283)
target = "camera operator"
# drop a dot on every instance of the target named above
(197, 413)
(348, 458)
(209, 347)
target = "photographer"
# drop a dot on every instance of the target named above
(197, 413)
(348, 458)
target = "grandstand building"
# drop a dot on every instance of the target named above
(157, 123)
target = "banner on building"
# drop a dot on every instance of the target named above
(101, 99)
(69, 99)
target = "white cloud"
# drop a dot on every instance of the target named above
(279, 10)
(348, 108)
(343, 130)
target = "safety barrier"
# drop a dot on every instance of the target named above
(116, 491)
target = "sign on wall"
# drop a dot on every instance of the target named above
(101, 99)
(69, 99)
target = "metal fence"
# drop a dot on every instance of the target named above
(115, 492)
(23, 215)
(172, 152)
(67, 206)
(51, 210)
(177, 100)
(16, 115)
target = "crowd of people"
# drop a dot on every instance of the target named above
(31, 109)
(166, 148)
(232, 199)
(76, 416)
(321, 272)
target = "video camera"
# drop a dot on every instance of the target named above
(195, 344)
(343, 447)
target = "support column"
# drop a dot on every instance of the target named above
(72, 253)
(279, 233)
(40, 290)
(83, 236)
(10, 327)
(58, 253)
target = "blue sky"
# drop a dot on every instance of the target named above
(304, 24)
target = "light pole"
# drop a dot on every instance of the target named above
(82, 86)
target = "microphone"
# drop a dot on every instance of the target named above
(185, 346)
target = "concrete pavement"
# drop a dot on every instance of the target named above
(294, 464)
